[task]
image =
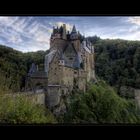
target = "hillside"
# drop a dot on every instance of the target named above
(101, 105)
(117, 62)
(14, 66)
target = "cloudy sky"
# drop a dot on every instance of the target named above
(27, 33)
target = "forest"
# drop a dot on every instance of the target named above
(117, 66)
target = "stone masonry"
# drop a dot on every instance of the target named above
(68, 66)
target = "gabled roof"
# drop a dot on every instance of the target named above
(39, 74)
(69, 45)
(48, 58)
(32, 69)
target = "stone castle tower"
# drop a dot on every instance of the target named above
(68, 66)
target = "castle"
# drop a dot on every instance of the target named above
(69, 65)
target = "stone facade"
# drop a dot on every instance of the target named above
(38, 98)
(68, 66)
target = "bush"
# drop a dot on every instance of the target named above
(19, 110)
(102, 105)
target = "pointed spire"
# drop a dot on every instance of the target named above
(73, 29)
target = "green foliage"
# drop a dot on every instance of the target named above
(14, 66)
(118, 62)
(101, 105)
(93, 39)
(20, 110)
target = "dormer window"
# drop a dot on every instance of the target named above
(61, 62)
(70, 58)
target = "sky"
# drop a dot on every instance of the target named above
(32, 33)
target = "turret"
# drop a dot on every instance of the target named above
(74, 34)
(32, 69)
(55, 34)
(74, 29)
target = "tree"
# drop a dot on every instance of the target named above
(100, 104)
(20, 110)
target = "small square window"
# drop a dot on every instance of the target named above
(71, 58)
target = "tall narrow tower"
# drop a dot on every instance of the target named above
(74, 34)
(64, 36)
(75, 39)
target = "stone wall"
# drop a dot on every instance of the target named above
(58, 44)
(55, 99)
(68, 74)
(35, 98)
(82, 84)
(33, 83)
(76, 44)
(55, 72)
(53, 96)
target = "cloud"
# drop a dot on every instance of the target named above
(15, 39)
(33, 33)
(68, 26)
(24, 33)
(134, 28)
(42, 38)
(134, 20)
(7, 20)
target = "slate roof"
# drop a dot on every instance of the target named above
(39, 74)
